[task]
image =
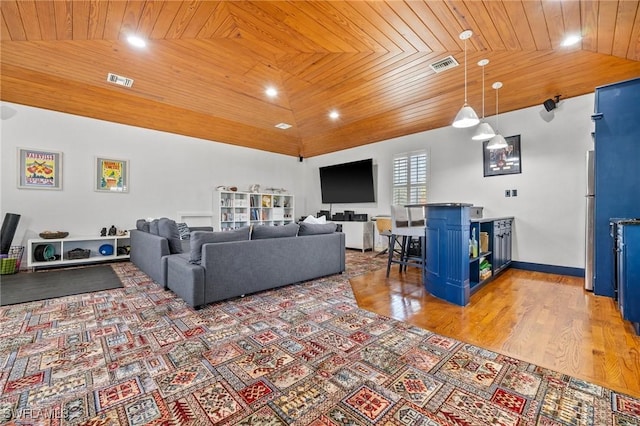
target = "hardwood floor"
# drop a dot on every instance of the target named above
(545, 319)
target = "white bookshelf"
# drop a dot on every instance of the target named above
(233, 210)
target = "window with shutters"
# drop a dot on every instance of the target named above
(410, 171)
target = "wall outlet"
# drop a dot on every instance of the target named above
(507, 193)
(514, 192)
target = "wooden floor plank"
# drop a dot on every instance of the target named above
(545, 319)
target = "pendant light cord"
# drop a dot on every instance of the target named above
(497, 127)
(465, 71)
(483, 92)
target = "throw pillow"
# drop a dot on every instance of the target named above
(142, 225)
(313, 219)
(153, 227)
(168, 229)
(316, 228)
(260, 232)
(183, 230)
(199, 238)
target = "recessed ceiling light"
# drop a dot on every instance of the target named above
(272, 92)
(571, 40)
(136, 41)
(283, 126)
(334, 115)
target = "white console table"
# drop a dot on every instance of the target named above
(357, 235)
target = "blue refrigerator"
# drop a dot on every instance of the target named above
(617, 173)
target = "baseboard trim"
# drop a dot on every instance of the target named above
(551, 269)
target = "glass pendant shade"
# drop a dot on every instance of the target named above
(466, 117)
(483, 132)
(497, 142)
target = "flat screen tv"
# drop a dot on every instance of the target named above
(348, 183)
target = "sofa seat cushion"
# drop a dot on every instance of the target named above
(316, 228)
(167, 228)
(199, 238)
(261, 232)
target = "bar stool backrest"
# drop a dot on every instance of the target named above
(403, 223)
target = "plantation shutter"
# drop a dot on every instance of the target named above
(410, 178)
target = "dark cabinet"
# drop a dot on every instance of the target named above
(628, 271)
(501, 244)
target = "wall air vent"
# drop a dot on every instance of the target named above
(119, 80)
(283, 126)
(444, 64)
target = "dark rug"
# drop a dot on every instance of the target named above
(31, 286)
(304, 354)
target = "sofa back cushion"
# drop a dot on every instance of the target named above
(153, 227)
(261, 232)
(167, 228)
(199, 238)
(142, 225)
(316, 228)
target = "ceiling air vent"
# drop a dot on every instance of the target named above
(444, 64)
(119, 80)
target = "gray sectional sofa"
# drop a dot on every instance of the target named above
(222, 265)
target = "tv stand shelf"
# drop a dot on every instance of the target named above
(62, 246)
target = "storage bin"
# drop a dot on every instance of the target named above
(484, 242)
(78, 253)
(11, 263)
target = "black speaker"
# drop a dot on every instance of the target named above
(549, 105)
(9, 226)
(300, 158)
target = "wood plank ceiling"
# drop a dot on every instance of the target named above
(207, 64)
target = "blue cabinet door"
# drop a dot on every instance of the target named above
(617, 180)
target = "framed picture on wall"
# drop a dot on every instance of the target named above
(111, 175)
(504, 161)
(39, 169)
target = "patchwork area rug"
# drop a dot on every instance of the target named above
(301, 355)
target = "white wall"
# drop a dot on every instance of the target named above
(550, 208)
(173, 173)
(168, 173)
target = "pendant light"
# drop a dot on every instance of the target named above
(466, 117)
(484, 131)
(497, 142)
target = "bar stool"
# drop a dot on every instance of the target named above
(407, 237)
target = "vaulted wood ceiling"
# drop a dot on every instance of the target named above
(207, 63)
